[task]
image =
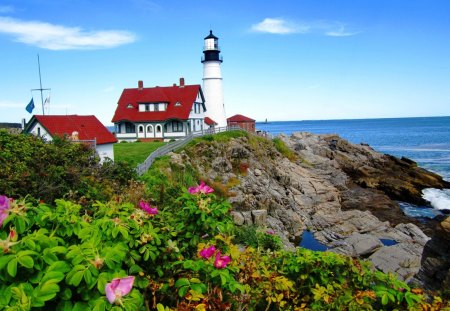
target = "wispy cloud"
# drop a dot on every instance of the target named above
(277, 26)
(58, 37)
(340, 32)
(282, 26)
(6, 9)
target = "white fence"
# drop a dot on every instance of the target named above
(163, 150)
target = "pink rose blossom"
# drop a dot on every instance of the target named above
(118, 287)
(147, 208)
(221, 261)
(207, 252)
(202, 188)
(4, 208)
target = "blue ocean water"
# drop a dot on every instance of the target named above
(425, 140)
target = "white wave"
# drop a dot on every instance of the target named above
(439, 199)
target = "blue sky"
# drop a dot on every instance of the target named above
(283, 60)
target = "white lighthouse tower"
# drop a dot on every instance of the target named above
(212, 80)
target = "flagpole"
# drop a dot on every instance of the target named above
(40, 84)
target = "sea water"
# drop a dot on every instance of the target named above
(425, 140)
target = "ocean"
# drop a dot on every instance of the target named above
(425, 140)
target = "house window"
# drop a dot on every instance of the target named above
(141, 129)
(156, 107)
(177, 104)
(177, 126)
(38, 131)
(130, 128)
(158, 128)
(149, 129)
(129, 106)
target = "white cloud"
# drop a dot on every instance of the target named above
(282, 26)
(277, 26)
(57, 37)
(340, 32)
(6, 9)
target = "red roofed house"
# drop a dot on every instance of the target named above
(241, 121)
(159, 113)
(83, 128)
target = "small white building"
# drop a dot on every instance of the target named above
(78, 128)
(159, 113)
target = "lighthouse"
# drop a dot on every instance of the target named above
(212, 80)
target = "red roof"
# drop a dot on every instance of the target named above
(239, 118)
(210, 121)
(179, 99)
(88, 127)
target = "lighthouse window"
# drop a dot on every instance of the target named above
(147, 107)
(156, 106)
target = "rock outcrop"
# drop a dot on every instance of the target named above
(345, 194)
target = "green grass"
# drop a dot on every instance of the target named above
(134, 153)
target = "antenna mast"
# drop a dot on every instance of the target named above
(40, 84)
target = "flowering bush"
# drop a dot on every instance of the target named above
(129, 256)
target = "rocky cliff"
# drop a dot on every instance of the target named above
(345, 194)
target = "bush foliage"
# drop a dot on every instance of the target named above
(50, 170)
(183, 253)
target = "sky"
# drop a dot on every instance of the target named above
(283, 60)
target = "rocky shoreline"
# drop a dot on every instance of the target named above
(345, 194)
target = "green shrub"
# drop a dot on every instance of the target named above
(50, 170)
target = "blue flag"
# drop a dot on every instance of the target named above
(30, 106)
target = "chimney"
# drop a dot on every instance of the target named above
(140, 85)
(181, 82)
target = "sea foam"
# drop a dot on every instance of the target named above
(439, 199)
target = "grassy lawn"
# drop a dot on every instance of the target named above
(134, 153)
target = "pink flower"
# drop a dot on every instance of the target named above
(147, 208)
(207, 252)
(270, 231)
(221, 261)
(4, 208)
(118, 287)
(202, 188)
(4, 202)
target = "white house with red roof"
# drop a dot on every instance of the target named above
(159, 113)
(78, 128)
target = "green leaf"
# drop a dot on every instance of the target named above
(384, 299)
(182, 291)
(12, 267)
(4, 260)
(55, 276)
(75, 276)
(160, 307)
(182, 282)
(26, 261)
